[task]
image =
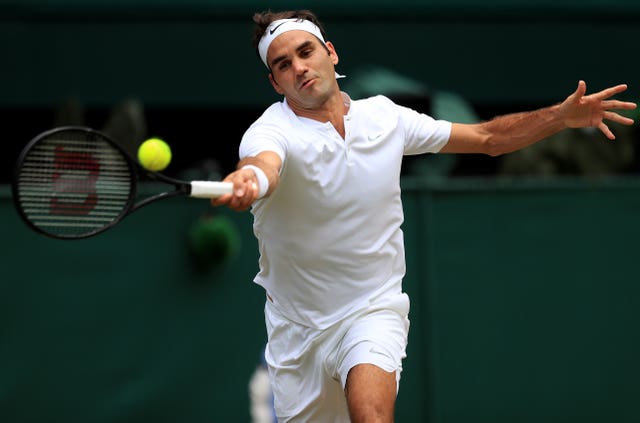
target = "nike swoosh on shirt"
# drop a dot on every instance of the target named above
(374, 137)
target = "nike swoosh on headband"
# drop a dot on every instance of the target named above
(274, 29)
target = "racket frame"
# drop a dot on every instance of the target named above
(182, 188)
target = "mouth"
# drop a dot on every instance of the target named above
(307, 83)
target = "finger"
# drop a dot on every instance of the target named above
(238, 190)
(223, 199)
(606, 131)
(241, 187)
(610, 92)
(620, 105)
(237, 203)
(238, 206)
(615, 117)
(580, 91)
(245, 203)
(245, 195)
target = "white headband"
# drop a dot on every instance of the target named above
(279, 27)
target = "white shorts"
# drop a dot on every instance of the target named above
(308, 367)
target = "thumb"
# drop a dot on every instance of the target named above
(575, 97)
(580, 91)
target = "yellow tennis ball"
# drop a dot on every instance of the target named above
(154, 154)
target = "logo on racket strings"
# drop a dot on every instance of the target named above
(74, 182)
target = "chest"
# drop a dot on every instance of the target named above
(366, 161)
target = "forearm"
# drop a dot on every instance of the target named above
(512, 132)
(506, 133)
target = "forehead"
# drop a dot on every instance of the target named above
(289, 41)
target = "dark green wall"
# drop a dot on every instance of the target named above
(198, 52)
(525, 307)
(124, 326)
(528, 299)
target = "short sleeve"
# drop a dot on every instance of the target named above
(423, 134)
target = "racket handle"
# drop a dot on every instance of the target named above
(210, 189)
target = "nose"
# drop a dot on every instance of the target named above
(299, 66)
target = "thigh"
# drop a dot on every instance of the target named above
(379, 337)
(303, 390)
(371, 394)
(371, 362)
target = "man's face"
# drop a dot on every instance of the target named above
(302, 69)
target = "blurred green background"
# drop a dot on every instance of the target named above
(521, 268)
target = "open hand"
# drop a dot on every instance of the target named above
(581, 111)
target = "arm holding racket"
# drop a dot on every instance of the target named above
(247, 183)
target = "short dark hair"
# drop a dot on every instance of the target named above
(263, 19)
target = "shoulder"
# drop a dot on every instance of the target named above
(377, 108)
(275, 115)
(275, 121)
(268, 132)
(378, 101)
(380, 109)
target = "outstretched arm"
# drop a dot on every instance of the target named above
(512, 132)
(246, 182)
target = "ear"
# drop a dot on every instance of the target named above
(275, 85)
(332, 52)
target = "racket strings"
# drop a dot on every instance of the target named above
(74, 182)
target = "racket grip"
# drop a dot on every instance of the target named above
(210, 189)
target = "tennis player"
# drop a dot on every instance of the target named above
(321, 173)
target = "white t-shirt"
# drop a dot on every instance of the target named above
(329, 235)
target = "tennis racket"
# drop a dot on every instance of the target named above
(74, 182)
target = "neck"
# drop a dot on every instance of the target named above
(331, 110)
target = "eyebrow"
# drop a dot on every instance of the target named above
(279, 59)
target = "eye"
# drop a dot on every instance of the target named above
(306, 52)
(283, 65)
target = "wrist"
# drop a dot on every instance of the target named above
(560, 112)
(263, 181)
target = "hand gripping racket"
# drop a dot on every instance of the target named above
(75, 182)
